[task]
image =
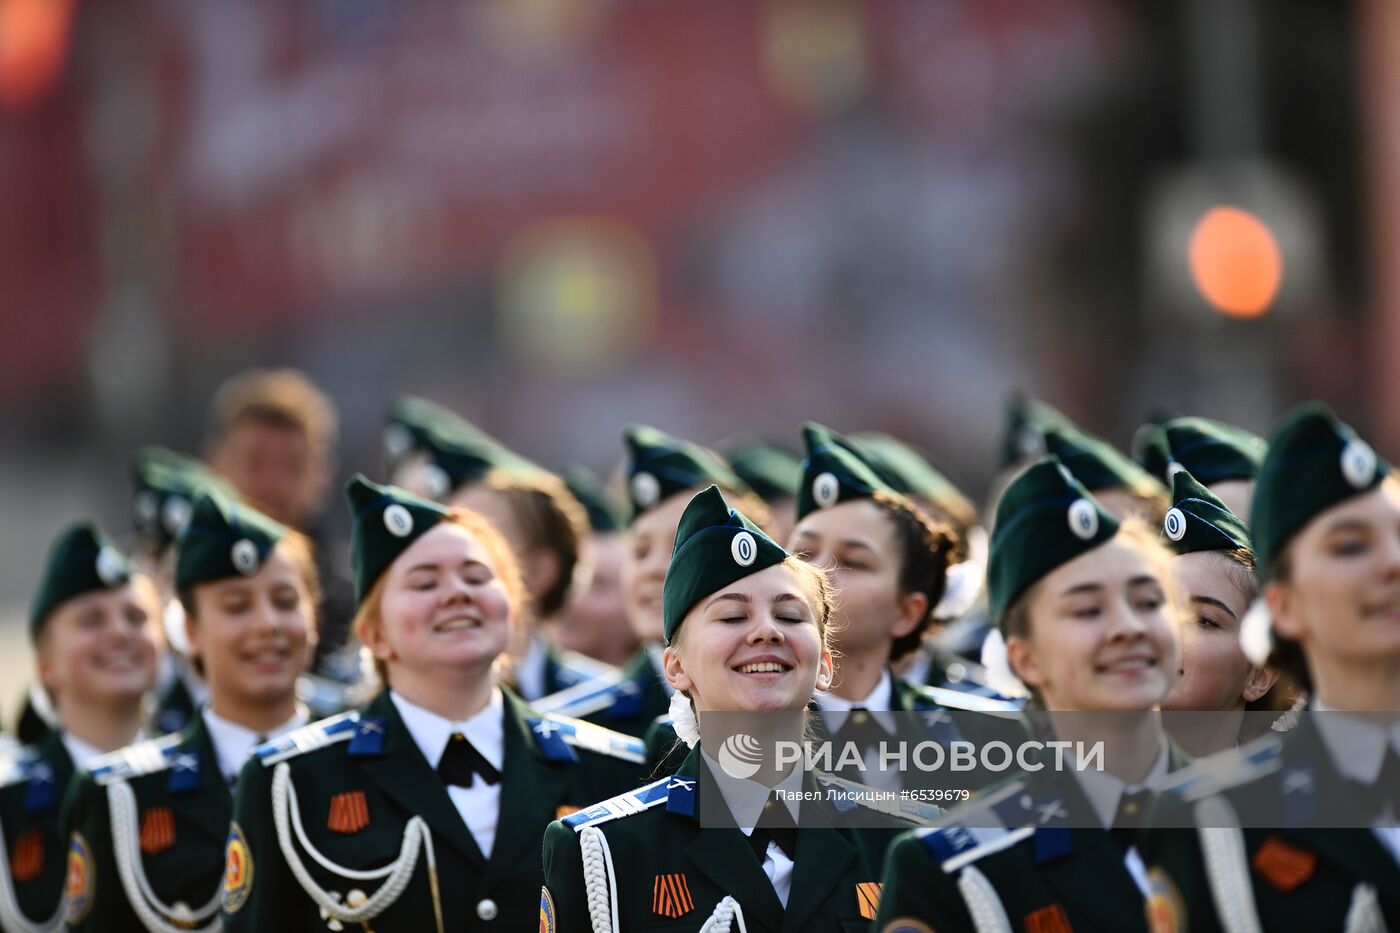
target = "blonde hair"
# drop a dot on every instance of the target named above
(280, 396)
(368, 615)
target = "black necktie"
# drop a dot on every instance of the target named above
(1131, 816)
(461, 764)
(776, 825)
(862, 729)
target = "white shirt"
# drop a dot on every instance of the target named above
(835, 709)
(480, 804)
(233, 742)
(745, 800)
(529, 673)
(1357, 747)
(81, 752)
(1105, 791)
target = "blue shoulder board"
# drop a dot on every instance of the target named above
(643, 798)
(846, 795)
(611, 692)
(995, 820)
(558, 736)
(1220, 772)
(135, 760)
(340, 728)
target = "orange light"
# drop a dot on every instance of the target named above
(34, 39)
(1235, 262)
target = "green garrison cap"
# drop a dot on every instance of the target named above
(659, 466)
(1046, 518)
(771, 471)
(165, 485)
(1198, 521)
(834, 471)
(1095, 462)
(82, 560)
(1314, 462)
(458, 451)
(909, 472)
(386, 520)
(604, 515)
(224, 538)
(715, 545)
(1211, 451)
(1027, 419)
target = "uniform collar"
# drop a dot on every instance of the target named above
(234, 742)
(1105, 790)
(1355, 744)
(745, 799)
(879, 702)
(431, 732)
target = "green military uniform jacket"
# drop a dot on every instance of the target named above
(358, 781)
(1309, 876)
(173, 833)
(1044, 867)
(671, 873)
(36, 847)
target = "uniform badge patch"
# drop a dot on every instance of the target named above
(670, 896)
(157, 830)
(906, 925)
(349, 813)
(77, 884)
(1283, 865)
(868, 898)
(547, 918)
(28, 858)
(1165, 911)
(238, 871)
(564, 809)
(1050, 919)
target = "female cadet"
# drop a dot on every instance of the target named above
(745, 627)
(1326, 526)
(1214, 573)
(1124, 488)
(456, 463)
(663, 472)
(1083, 602)
(425, 811)
(91, 623)
(595, 624)
(1223, 458)
(153, 817)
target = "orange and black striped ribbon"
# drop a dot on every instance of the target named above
(868, 897)
(157, 830)
(1050, 919)
(28, 858)
(349, 812)
(670, 896)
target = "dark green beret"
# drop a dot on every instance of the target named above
(771, 471)
(81, 561)
(457, 451)
(659, 466)
(386, 520)
(1027, 419)
(834, 471)
(410, 423)
(165, 485)
(224, 538)
(604, 515)
(908, 471)
(715, 545)
(1198, 521)
(1095, 462)
(1314, 462)
(1046, 518)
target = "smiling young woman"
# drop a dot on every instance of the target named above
(91, 625)
(423, 812)
(1086, 608)
(1326, 525)
(154, 816)
(745, 627)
